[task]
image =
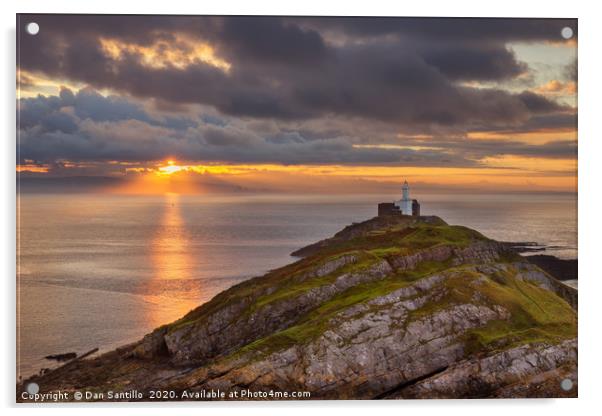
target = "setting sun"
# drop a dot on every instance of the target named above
(170, 168)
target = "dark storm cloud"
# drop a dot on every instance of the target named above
(271, 40)
(136, 28)
(464, 29)
(559, 149)
(538, 104)
(480, 148)
(68, 106)
(544, 122)
(55, 132)
(322, 84)
(135, 141)
(32, 111)
(477, 61)
(283, 69)
(90, 104)
(62, 122)
(67, 110)
(56, 128)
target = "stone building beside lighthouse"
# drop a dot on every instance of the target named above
(403, 206)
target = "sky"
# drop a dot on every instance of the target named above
(196, 104)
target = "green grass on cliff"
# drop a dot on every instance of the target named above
(536, 314)
(376, 248)
(416, 237)
(292, 288)
(317, 322)
(392, 238)
(246, 291)
(444, 234)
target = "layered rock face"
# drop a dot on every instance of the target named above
(390, 308)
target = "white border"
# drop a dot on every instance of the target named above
(590, 139)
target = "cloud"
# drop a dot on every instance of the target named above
(559, 122)
(65, 111)
(270, 40)
(539, 104)
(473, 61)
(570, 71)
(58, 129)
(557, 88)
(286, 69)
(292, 91)
(90, 104)
(482, 148)
(461, 29)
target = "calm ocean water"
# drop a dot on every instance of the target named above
(103, 270)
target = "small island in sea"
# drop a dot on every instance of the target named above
(400, 306)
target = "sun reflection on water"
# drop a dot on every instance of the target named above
(174, 293)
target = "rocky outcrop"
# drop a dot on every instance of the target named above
(379, 340)
(562, 269)
(495, 375)
(243, 322)
(478, 252)
(390, 308)
(152, 345)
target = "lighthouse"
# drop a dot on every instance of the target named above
(403, 206)
(405, 203)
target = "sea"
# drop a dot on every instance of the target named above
(103, 270)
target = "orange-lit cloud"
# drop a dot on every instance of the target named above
(30, 84)
(535, 137)
(556, 87)
(506, 173)
(533, 164)
(394, 146)
(179, 53)
(30, 167)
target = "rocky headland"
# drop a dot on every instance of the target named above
(393, 307)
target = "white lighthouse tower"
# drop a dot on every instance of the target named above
(405, 203)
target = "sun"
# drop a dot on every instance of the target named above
(170, 168)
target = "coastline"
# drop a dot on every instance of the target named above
(412, 270)
(563, 270)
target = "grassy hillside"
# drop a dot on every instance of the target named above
(536, 313)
